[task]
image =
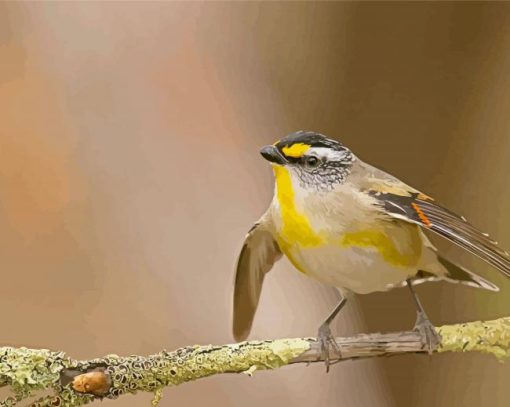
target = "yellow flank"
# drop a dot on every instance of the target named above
(380, 240)
(296, 150)
(296, 229)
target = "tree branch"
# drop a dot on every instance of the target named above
(76, 383)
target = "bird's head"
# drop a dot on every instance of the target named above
(318, 162)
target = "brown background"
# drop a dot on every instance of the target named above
(129, 174)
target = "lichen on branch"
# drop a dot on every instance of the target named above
(75, 383)
(491, 337)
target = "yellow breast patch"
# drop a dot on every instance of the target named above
(296, 228)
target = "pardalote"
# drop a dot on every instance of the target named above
(350, 225)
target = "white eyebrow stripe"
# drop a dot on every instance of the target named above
(328, 153)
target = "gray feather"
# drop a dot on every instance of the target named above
(260, 251)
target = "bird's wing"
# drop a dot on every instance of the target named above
(412, 206)
(260, 251)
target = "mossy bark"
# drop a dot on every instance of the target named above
(76, 383)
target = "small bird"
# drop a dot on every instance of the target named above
(350, 225)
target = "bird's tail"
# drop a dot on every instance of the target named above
(458, 274)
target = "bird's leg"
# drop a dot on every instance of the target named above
(326, 340)
(429, 336)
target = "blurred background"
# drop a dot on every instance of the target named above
(129, 174)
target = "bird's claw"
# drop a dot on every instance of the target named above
(326, 342)
(429, 336)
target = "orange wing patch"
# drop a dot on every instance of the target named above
(421, 215)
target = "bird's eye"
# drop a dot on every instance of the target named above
(312, 161)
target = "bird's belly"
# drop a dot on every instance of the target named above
(358, 269)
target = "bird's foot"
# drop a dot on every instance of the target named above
(429, 336)
(327, 342)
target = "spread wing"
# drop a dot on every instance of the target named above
(260, 251)
(420, 209)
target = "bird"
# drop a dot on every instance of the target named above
(350, 225)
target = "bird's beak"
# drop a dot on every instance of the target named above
(272, 154)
